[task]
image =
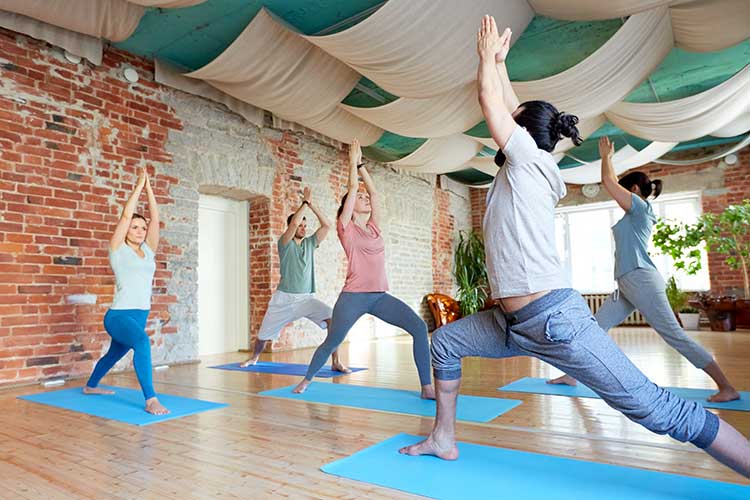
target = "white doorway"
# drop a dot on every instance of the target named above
(223, 307)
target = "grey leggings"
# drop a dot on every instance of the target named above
(558, 328)
(351, 306)
(643, 289)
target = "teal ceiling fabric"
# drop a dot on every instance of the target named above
(709, 46)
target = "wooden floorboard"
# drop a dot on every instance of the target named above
(261, 447)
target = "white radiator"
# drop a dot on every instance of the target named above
(595, 301)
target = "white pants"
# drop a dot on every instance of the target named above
(286, 308)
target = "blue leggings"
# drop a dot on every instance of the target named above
(351, 306)
(127, 327)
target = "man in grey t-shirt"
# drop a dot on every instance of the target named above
(294, 296)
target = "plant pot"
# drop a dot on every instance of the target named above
(690, 321)
(743, 313)
(721, 312)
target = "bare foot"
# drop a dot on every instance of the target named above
(430, 446)
(339, 367)
(564, 380)
(248, 362)
(724, 395)
(96, 390)
(154, 407)
(301, 387)
(428, 391)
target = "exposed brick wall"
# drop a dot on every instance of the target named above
(478, 198)
(720, 184)
(72, 138)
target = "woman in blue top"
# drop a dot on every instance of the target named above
(640, 286)
(131, 255)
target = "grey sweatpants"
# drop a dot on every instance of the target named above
(558, 328)
(643, 289)
(351, 306)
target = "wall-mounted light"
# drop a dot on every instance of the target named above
(730, 159)
(130, 75)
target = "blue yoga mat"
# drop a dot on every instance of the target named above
(540, 386)
(125, 405)
(487, 472)
(470, 408)
(284, 369)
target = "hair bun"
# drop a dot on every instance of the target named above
(565, 126)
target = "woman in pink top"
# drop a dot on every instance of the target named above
(366, 286)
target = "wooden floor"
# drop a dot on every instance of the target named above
(262, 447)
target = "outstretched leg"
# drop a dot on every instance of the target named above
(396, 312)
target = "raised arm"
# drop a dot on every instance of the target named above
(622, 196)
(296, 218)
(152, 236)
(325, 224)
(355, 157)
(374, 196)
(491, 92)
(509, 94)
(121, 231)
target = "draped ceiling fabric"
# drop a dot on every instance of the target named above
(114, 20)
(167, 4)
(715, 156)
(168, 75)
(688, 118)
(609, 74)
(421, 48)
(622, 161)
(272, 67)
(75, 43)
(708, 25)
(592, 10)
(445, 154)
(446, 114)
(423, 51)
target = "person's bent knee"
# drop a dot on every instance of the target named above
(446, 365)
(708, 434)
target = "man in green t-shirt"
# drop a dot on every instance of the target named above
(294, 296)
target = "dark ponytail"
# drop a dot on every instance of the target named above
(646, 186)
(341, 207)
(546, 125)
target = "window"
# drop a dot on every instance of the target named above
(586, 246)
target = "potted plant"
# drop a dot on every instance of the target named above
(687, 316)
(470, 272)
(727, 233)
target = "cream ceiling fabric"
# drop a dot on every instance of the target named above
(589, 10)
(715, 156)
(623, 160)
(114, 20)
(167, 4)
(274, 68)
(609, 74)
(168, 75)
(75, 43)
(445, 154)
(708, 25)
(421, 48)
(447, 114)
(738, 126)
(688, 118)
